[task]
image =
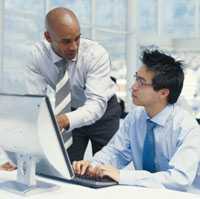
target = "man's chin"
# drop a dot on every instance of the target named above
(135, 102)
(72, 56)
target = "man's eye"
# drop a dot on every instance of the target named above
(77, 38)
(66, 41)
(142, 81)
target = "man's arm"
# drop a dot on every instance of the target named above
(183, 168)
(116, 153)
(34, 81)
(98, 89)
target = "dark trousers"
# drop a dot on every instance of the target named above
(98, 133)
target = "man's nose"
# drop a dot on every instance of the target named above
(73, 46)
(134, 86)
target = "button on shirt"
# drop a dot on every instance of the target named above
(177, 145)
(89, 73)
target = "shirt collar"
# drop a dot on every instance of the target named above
(162, 117)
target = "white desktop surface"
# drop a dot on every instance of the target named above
(69, 191)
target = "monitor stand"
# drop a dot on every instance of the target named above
(26, 183)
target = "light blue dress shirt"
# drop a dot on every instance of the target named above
(177, 145)
(89, 73)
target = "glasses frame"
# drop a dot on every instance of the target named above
(141, 82)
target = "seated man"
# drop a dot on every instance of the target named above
(159, 137)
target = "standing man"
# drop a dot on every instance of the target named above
(160, 138)
(95, 111)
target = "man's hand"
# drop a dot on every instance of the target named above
(82, 167)
(63, 121)
(107, 170)
(7, 166)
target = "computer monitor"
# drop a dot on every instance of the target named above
(29, 129)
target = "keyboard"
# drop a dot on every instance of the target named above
(93, 182)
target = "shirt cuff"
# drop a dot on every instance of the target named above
(94, 163)
(74, 121)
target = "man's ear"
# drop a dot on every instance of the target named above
(164, 93)
(47, 36)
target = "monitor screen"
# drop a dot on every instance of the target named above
(29, 129)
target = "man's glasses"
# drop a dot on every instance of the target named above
(141, 82)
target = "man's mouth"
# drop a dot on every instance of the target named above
(134, 96)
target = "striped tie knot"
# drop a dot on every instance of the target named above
(62, 66)
(61, 62)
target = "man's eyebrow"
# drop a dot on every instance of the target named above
(65, 39)
(69, 39)
(78, 35)
(140, 77)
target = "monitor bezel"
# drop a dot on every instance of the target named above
(58, 134)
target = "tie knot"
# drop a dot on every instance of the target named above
(61, 63)
(62, 67)
(151, 124)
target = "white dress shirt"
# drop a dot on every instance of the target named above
(177, 140)
(89, 73)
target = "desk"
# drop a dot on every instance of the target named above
(69, 191)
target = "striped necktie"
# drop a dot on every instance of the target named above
(63, 97)
(149, 148)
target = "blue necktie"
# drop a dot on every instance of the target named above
(149, 148)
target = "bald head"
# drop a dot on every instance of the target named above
(63, 32)
(60, 17)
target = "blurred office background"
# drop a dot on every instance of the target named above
(123, 27)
